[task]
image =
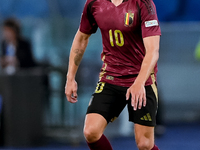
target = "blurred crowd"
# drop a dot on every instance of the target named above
(16, 52)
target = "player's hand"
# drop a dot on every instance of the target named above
(138, 95)
(71, 91)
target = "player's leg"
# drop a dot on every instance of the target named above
(145, 120)
(144, 137)
(95, 125)
(106, 104)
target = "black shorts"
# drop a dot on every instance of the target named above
(109, 101)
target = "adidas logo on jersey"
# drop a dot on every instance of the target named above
(146, 117)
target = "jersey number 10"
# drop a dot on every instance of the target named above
(117, 34)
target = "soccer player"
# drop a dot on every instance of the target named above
(131, 35)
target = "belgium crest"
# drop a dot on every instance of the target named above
(129, 17)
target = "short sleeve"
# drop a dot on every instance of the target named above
(149, 20)
(88, 24)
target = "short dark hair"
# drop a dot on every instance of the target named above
(14, 25)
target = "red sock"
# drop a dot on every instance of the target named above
(101, 144)
(155, 148)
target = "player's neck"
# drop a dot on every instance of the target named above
(116, 2)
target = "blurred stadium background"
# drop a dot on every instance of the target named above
(51, 24)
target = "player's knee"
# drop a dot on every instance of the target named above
(144, 144)
(91, 134)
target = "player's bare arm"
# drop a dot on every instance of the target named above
(137, 90)
(78, 48)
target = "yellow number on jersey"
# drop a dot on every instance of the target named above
(117, 34)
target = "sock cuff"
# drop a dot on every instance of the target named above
(101, 144)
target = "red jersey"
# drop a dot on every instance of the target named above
(123, 28)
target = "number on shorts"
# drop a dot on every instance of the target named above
(99, 87)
